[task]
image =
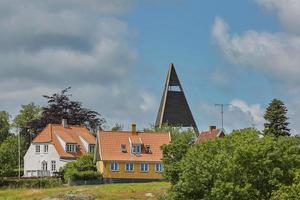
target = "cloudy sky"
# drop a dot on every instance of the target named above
(115, 54)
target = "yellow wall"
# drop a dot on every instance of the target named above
(104, 168)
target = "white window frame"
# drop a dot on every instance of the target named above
(131, 169)
(37, 149)
(46, 148)
(70, 147)
(44, 165)
(114, 166)
(91, 145)
(136, 149)
(53, 165)
(143, 167)
(159, 167)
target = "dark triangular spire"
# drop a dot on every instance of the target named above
(174, 109)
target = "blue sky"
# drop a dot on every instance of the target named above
(115, 55)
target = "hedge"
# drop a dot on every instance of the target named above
(30, 183)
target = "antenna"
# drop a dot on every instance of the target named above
(221, 105)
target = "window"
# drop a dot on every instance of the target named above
(37, 149)
(53, 165)
(123, 148)
(129, 167)
(46, 148)
(159, 167)
(136, 149)
(114, 166)
(71, 148)
(91, 148)
(144, 167)
(44, 165)
(147, 149)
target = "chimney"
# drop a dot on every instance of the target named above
(133, 129)
(64, 123)
(212, 128)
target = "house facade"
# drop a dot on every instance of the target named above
(55, 146)
(212, 133)
(130, 156)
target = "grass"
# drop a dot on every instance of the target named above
(107, 191)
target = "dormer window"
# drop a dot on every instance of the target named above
(91, 148)
(136, 149)
(71, 147)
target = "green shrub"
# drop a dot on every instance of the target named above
(30, 183)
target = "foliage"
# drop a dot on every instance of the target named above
(175, 151)
(27, 114)
(30, 183)
(9, 155)
(288, 192)
(276, 118)
(4, 126)
(60, 106)
(82, 169)
(117, 127)
(240, 166)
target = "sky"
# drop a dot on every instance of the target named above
(115, 55)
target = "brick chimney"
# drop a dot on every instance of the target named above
(211, 128)
(64, 123)
(133, 129)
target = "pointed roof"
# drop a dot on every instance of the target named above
(174, 108)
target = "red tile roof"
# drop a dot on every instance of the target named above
(110, 145)
(207, 135)
(70, 134)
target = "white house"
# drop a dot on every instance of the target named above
(56, 145)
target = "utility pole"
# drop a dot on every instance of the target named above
(221, 105)
(19, 148)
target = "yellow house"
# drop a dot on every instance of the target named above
(130, 156)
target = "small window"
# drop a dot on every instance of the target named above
(144, 167)
(37, 149)
(159, 167)
(123, 148)
(129, 167)
(114, 166)
(46, 148)
(136, 149)
(53, 165)
(91, 148)
(148, 149)
(71, 148)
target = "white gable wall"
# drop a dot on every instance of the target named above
(33, 161)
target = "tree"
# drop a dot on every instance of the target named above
(9, 156)
(117, 127)
(239, 166)
(4, 126)
(27, 114)
(276, 118)
(61, 107)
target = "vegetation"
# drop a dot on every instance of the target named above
(82, 169)
(108, 191)
(240, 166)
(30, 183)
(9, 156)
(117, 127)
(60, 106)
(4, 126)
(276, 118)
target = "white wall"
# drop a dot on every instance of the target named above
(33, 160)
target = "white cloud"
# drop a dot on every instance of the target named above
(148, 103)
(288, 12)
(275, 54)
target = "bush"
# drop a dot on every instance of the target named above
(81, 169)
(30, 183)
(239, 166)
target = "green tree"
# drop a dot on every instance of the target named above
(27, 114)
(9, 156)
(117, 127)
(4, 126)
(240, 166)
(276, 118)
